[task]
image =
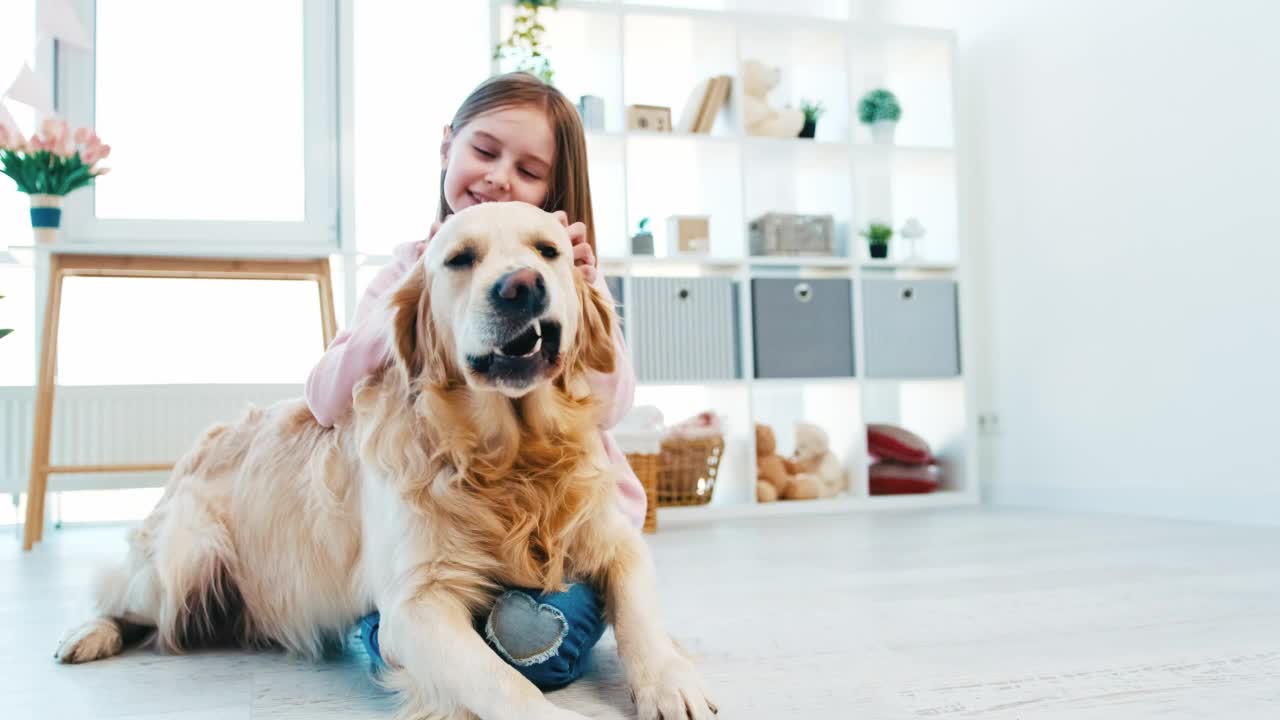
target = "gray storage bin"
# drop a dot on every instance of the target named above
(803, 328)
(683, 329)
(911, 328)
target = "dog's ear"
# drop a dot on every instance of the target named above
(417, 349)
(593, 345)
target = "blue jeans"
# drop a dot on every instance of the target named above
(546, 637)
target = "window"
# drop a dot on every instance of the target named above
(222, 127)
(251, 91)
(414, 63)
(17, 311)
(17, 45)
(227, 99)
(154, 331)
(17, 351)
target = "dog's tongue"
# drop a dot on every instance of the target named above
(522, 345)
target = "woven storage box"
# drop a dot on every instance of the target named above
(645, 467)
(643, 448)
(792, 234)
(687, 470)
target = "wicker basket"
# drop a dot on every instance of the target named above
(645, 466)
(687, 470)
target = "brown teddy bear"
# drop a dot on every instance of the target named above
(775, 477)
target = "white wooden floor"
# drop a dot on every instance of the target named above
(936, 614)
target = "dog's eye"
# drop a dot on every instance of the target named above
(464, 259)
(548, 251)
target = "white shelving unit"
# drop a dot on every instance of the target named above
(655, 53)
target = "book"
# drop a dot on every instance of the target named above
(693, 106)
(716, 96)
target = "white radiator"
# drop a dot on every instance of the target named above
(119, 424)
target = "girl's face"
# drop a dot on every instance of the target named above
(504, 154)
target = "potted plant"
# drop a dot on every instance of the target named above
(812, 111)
(642, 241)
(880, 110)
(52, 163)
(524, 44)
(878, 236)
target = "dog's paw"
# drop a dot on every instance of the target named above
(94, 640)
(674, 692)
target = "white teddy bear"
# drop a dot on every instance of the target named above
(813, 458)
(758, 117)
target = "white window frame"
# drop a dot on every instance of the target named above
(317, 235)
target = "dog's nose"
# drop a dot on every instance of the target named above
(520, 291)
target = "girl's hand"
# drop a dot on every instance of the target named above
(583, 258)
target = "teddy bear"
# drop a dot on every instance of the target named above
(813, 461)
(775, 478)
(758, 117)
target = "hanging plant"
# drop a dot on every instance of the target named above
(524, 44)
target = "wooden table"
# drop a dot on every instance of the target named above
(63, 265)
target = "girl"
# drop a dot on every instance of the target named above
(514, 138)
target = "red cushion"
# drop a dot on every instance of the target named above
(890, 442)
(891, 478)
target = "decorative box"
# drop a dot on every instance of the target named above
(792, 234)
(688, 235)
(653, 118)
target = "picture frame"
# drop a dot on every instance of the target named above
(649, 118)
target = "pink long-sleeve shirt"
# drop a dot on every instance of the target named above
(366, 346)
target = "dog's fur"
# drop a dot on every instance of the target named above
(440, 487)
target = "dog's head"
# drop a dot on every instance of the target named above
(497, 304)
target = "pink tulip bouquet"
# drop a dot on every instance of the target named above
(54, 162)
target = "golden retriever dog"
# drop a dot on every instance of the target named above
(472, 462)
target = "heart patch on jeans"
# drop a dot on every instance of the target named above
(524, 631)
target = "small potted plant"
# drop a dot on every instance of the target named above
(642, 241)
(878, 236)
(52, 163)
(880, 110)
(812, 111)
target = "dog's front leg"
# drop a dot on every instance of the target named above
(664, 683)
(449, 668)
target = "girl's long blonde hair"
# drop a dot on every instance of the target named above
(568, 188)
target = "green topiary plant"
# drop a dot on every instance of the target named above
(878, 234)
(879, 105)
(524, 44)
(812, 110)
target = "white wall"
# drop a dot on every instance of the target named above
(1123, 192)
